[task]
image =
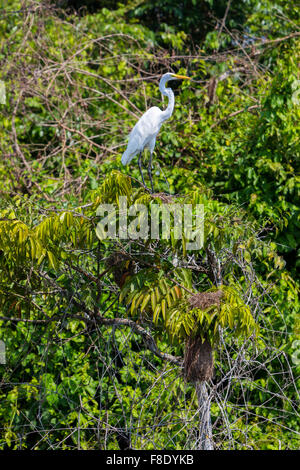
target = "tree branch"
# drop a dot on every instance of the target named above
(148, 339)
(235, 113)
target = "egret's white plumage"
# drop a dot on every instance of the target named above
(144, 133)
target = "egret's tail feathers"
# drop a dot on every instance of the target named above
(126, 157)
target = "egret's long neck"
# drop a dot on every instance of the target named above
(167, 113)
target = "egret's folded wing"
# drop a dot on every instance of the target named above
(134, 145)
(146, 127)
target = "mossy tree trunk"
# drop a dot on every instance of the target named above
(198, 368)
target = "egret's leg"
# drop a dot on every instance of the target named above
(140, 167)
(150, 172)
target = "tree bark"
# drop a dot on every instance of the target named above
(198, 364)
(205, 440)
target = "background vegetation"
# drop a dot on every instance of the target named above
(86, 367)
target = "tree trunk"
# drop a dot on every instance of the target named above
(198, 363)
(204, 441)
(198, 368)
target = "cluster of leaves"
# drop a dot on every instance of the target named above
(22, 244)
(150, 292)
(167, 303)
(191, 16)
(37, 289)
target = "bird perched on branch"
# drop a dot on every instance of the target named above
(146, 129)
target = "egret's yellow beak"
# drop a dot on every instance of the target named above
(183, 77)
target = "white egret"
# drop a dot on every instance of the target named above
(146, 129)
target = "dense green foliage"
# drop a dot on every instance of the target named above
(76, 81)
